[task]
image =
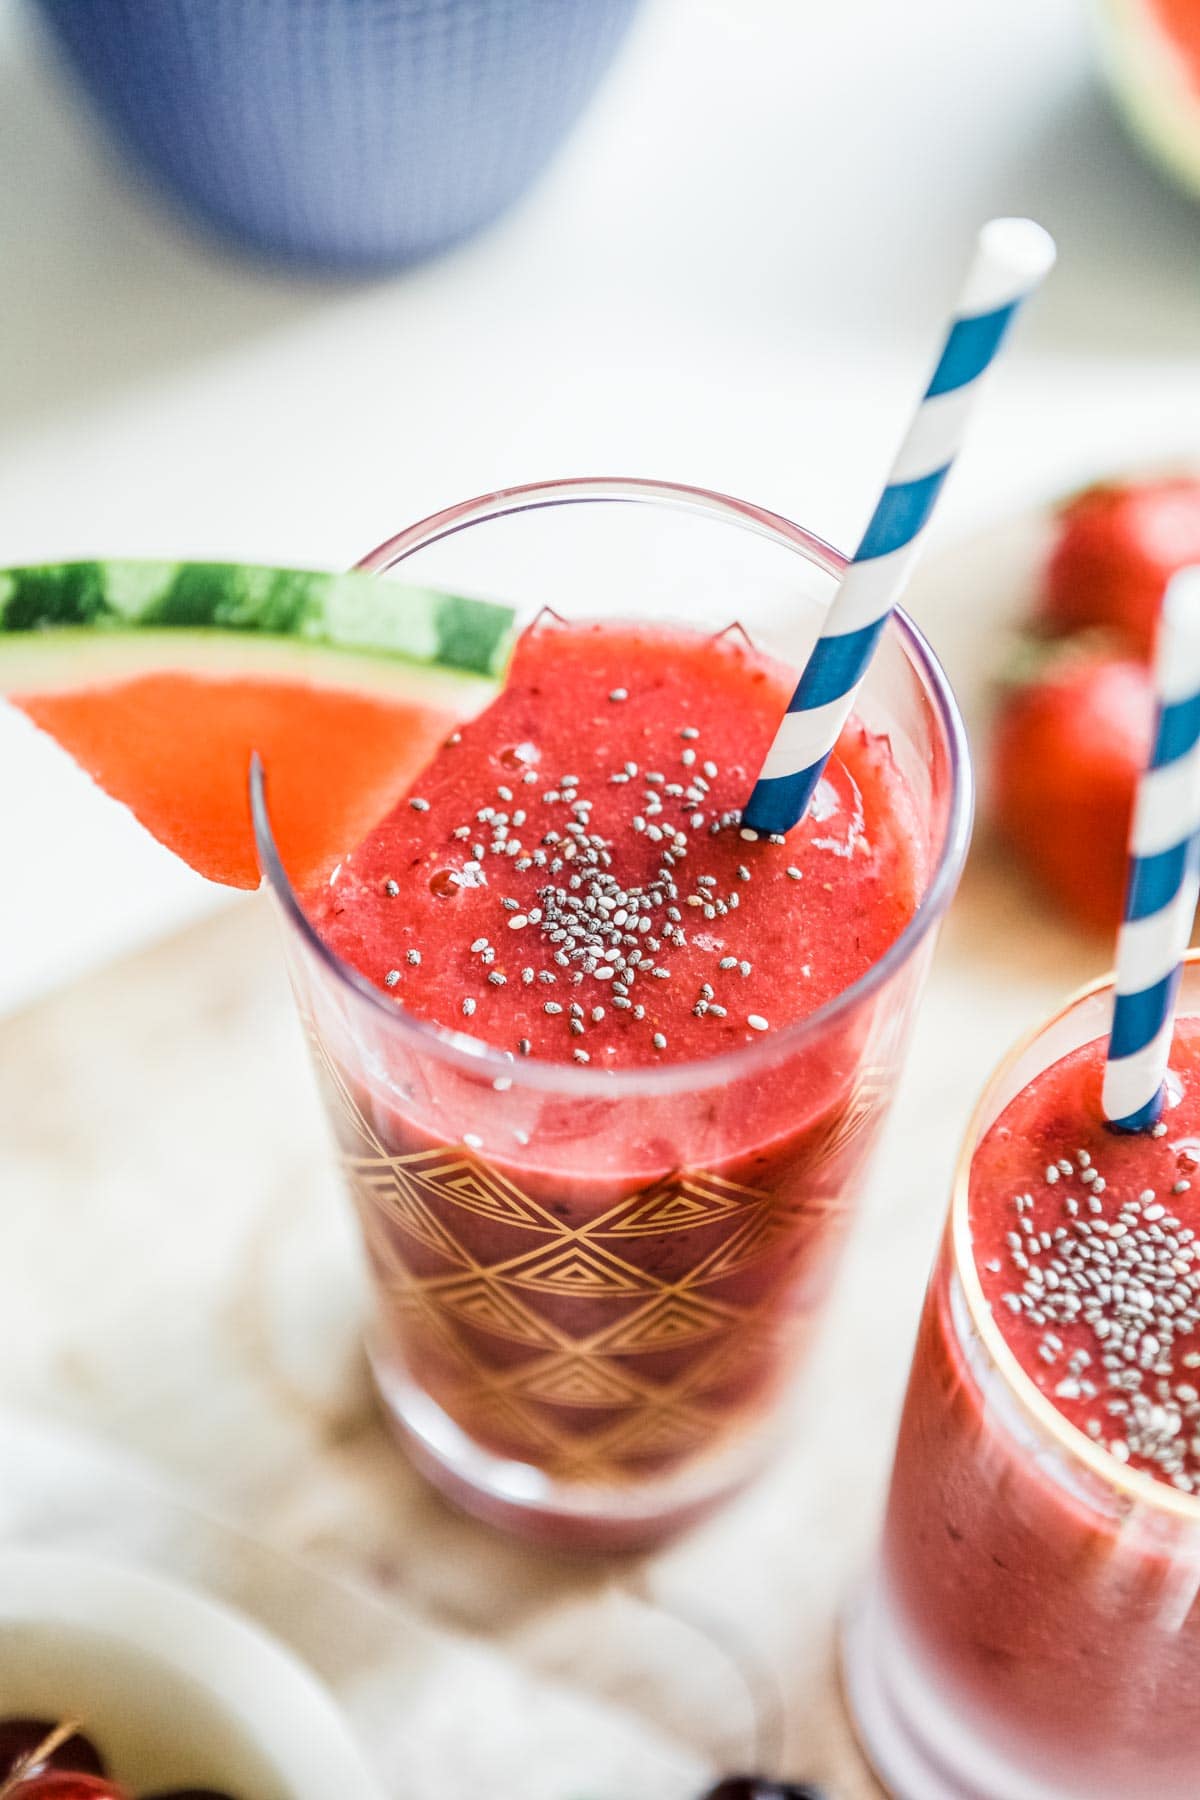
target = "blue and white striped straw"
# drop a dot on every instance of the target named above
(1011, 258)
(1164, 873)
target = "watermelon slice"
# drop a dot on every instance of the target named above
(163, 679)
(1151, 55)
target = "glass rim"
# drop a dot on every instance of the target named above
(1159, 1496)
(471, 1054)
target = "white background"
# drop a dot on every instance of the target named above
(733, 275)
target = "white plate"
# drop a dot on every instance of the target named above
(174, 1688)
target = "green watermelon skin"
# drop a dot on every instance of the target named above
(348, 612)
(1155, 84)
(164, 680)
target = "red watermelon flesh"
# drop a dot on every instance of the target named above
(1180, 19)
(175, 748)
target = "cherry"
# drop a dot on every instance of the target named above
(20, 1738)
(757, 1787)
(64, 1784)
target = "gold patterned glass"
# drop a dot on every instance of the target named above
(594, 1289)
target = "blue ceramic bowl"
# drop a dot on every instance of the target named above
(341, 133)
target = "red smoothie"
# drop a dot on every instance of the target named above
(1041, 1609)
(568, 879)
(609, 1282)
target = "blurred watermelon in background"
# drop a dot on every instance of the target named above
(1150, 52)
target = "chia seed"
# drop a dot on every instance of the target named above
(1133, 1282)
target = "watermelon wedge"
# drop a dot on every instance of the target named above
(162, 680)
(1150, 51)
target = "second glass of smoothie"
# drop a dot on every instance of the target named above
(1031, 1629)
(604, 1070)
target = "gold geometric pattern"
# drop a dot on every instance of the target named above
(746, 1243)
(600, 1350)
(390, 1199)
(576, 1381)
(690, 1200)
(487, 1307)
(456, 1177)
(669, 1320)
(580, 1269)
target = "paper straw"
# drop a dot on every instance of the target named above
(1164, 873)
(1011, 259)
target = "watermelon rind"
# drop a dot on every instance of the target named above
(64, 626)
(1153, 86)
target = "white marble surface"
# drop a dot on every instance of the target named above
(179, 1274)
(733, 275)
(405, 1681)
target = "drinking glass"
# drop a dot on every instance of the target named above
(593, 1289)
(1030, 1628)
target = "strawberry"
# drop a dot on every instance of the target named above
(1118, 545)
(1067, 752)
